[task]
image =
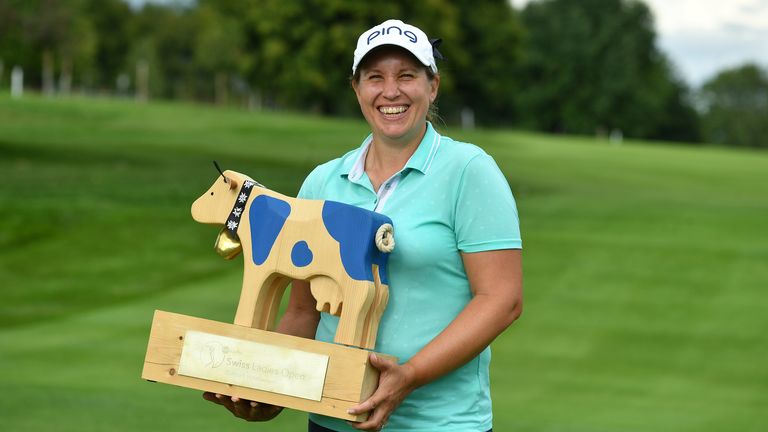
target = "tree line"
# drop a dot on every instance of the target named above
(586, 67)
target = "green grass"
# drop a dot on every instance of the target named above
(645, 268)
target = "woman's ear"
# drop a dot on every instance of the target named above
(434, 86)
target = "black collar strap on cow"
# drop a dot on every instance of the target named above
(233, 221)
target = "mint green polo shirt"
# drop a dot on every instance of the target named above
(449, 198)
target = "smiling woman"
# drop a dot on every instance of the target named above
(455, 276)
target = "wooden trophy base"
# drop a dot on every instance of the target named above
(263, 366)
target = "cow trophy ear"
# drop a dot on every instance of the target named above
(231, 182)
(227, 245)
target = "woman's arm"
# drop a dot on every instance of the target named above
(300, 319)
(496, 281)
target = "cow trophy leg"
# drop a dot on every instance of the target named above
(260, 299)
(373, 317)
(358, 296)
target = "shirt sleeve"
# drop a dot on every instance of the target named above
(486, 212)
(309, 189)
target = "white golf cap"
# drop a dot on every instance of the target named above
(398, 33)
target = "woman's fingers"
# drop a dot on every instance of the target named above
(268, 411)
(367, 405)
(218, 399)
(211, 397)
(243, 408)
(375, 417)
(381, 363)
(376, 421)
(395, 383)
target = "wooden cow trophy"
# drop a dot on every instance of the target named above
(340, 249)
(330, 244)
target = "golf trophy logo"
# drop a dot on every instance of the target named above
(212, 354)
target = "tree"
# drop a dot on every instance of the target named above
(75, 49)
(165, 41)
(219, 48)
(112, 21)
(39, 34)
(482, 57)
(735, 104)
(593, 65)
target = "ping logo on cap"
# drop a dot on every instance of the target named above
(387, 30)
(397, 33)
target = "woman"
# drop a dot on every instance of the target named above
(455, 275)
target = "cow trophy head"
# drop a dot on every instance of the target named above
(214, 207)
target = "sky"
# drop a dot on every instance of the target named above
(703, 37)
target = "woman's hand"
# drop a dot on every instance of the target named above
(244, 409)
(395, 383)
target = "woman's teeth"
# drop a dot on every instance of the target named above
(393, 110)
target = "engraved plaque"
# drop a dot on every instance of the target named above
(255, 365)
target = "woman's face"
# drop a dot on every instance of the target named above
(394, 93)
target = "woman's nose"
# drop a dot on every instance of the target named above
(391, 88)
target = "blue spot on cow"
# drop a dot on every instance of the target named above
(301, 255)
(355, 229)
(267, 217)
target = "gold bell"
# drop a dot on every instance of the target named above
(227, 245)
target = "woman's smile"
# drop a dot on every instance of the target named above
(392, 111)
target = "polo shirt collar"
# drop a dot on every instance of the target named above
(421, 160)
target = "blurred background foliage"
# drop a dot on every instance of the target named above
(586, 67)
(645, 262)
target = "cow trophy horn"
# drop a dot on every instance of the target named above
(231, 182)
(227, 245)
